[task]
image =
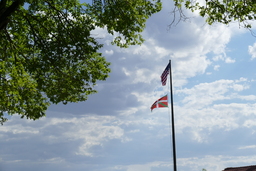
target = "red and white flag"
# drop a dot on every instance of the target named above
(162, 102)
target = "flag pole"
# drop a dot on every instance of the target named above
(173, 130)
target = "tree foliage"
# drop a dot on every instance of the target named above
(222, 11)
(47, 52)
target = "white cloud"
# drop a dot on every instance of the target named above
(252, 51)
(223, 57)
(205, 94)
(18, 129)
(143, 75)
(216, 67)
(249, 123)
(248, 97)
(109, 52)
(229, 60)
(247, 147)
(91, 130)
(218, 57)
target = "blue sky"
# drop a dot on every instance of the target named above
(214, 101)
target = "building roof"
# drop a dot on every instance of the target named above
(243, 168)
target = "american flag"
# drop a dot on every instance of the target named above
(165, 74)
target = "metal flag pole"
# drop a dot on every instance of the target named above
(172, 116)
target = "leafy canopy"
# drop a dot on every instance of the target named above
(47, 52)
(222, 11)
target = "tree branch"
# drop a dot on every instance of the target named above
(5, 13)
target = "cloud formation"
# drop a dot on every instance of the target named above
(114, 130)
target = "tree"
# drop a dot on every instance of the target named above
(222, 11)
(48, 54)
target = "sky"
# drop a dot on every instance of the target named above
(214, 82)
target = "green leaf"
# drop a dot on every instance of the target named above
(222, 11)
(48, 55)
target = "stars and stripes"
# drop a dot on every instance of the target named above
(165, 74)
